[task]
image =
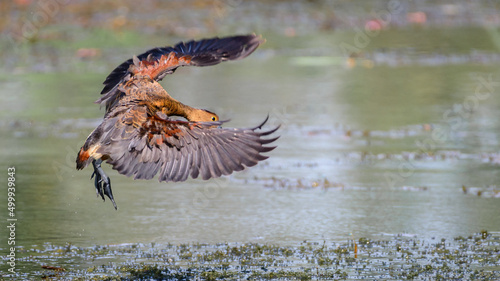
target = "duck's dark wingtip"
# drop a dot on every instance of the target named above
(271, 131)
(261, 124)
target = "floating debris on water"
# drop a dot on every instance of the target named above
(400, 257)
(486, 192)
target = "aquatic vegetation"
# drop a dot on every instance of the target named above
(400, 257)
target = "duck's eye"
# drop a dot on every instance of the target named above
(214, 119)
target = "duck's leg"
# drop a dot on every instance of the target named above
(102, 182)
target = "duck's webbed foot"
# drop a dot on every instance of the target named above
(102, 182)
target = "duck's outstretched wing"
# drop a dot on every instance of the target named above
(178, 149)
(158, 62)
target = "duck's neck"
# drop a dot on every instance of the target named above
(188, 112)
(173, 107)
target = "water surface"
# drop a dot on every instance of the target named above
(376, 149)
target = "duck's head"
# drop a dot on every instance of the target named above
(202, 115)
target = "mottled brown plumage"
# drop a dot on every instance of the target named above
(139, 138)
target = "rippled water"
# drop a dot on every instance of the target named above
(378, 148)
